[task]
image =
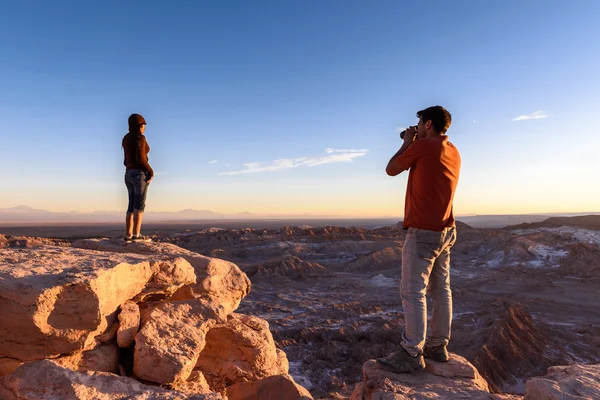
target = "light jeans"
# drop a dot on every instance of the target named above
(426, 267)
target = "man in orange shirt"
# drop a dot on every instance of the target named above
(434, 165)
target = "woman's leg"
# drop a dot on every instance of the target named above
(141, 188)
(129, 224)
(138, 216)
(129, 213)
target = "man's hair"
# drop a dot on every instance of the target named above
(440, 118)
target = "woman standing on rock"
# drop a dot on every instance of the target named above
(138, 175)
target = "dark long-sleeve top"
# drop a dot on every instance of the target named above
(136, 149)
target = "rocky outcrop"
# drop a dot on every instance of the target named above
(129, 323)
(278, 387)
(195, 384)
(286, 270)
(216, 279)
(147, 316)
(513, 349)
(104, 358)
(47, 380)
(170, 340)
(456, 379)
(566, 382)
(380, 260)
(241, 350)
(581, 261)
(55, 300)
(24, 241)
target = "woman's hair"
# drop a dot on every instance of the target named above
(135, 121)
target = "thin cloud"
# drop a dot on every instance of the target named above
(332, 151)
(213, 161)
(534, 115)
(333, 156)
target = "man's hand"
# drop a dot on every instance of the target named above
(410, 135)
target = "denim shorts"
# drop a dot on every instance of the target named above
(137, 187)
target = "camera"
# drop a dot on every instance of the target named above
(404, 131)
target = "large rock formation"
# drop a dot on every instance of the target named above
(454, 379)
(241, 350)
(129, 323)
(55, 300)
(216, 279)
(104, 358)
(459, 379)
(277, 387)
(156, 301)
(566, 382)
(170, 340)
(46, 380)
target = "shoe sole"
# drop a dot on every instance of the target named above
(436, 358)
(407, 370)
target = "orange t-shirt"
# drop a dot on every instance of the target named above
(434, 169)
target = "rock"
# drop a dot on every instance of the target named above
(457, 379)
(8, 365)
(196, 384)
(286, 270)
(61, 383)
(278, 387)
(216, 279)
(110, 334)
(240, 350)
(168, 276)
(129, 323)
(457, 367)
(566, 382)
(380, 260)
(171, 339)
(24, 241)
(514, 348)
(55, 300)
(104, 358)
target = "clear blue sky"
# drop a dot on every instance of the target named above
(249, 82)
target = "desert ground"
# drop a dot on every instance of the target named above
(525, 296)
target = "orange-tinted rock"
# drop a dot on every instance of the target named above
(216, 279)
(456, 379)
(61, 383)
(277, 387)
(196, 384)
(241, 350)
(566, 382)
(170, 340)
(104, 358)
(129, 323)
(55, 300)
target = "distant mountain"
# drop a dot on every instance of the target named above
(499, 221)
(581, 221)
(28, 214)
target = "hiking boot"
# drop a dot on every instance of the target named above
(402, 362)
(128, 239)
(437, 353)
(141, 238)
